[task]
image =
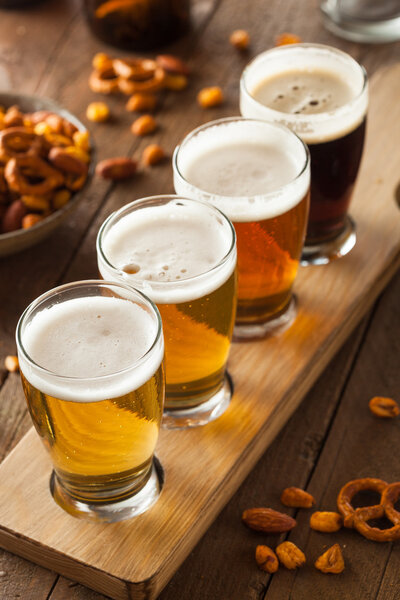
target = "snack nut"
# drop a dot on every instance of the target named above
(240, 39)
(331, 561)
(152, 155)
(144, 125)
(98, 112)
(11, 363)
(116, 168)
(210, 96)
(172, 64)
(287, 38)
(177, 83)
(31, 219)
(297, 498)
(267, 520)
(266, 559)
(290, 555)
(326, 521)
(140, 102)
(12, 218)
(386, 408)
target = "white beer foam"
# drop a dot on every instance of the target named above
(250, 170)
(90, 344)
(172, 252)
(312, 128)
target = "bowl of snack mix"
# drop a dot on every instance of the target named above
(46, 162)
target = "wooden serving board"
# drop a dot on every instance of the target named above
(204, 466)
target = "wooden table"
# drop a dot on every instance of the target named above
(332, 437)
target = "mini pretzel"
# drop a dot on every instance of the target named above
(19, 141)
(349, 490)
(359, 517)
(104, 80)
(19, 168)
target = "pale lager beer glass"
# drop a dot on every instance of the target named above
(91, 361)
(321, 93)
(182, 254)
(258, 174)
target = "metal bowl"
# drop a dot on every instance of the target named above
(18, 240)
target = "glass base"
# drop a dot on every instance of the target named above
(275, 326)
(203, 413)
(325, 252)
(382, 25)
(111, 512)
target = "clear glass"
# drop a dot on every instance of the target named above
(335, 137)
(100, 430)
(370, 21)
(270, 226)
(197, 307)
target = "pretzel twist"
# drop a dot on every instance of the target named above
(19, 169)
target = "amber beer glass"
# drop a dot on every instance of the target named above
(182, 254)
(91, 361)
(258, 174)
(321, 93)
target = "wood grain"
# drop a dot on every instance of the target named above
(332, 301)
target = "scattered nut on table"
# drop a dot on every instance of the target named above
(141, 103)
(98, 112)
(11, 363)
(210, 96)
(240, 39)
(266, 559)
(117, 168)
(268, 520)
(326, 521)
(144, 125)
(297, 498)
(385, 408)
(152, 155)
(290, 555)
(287, 38)
(331, 561)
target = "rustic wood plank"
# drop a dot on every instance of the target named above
(359, 445)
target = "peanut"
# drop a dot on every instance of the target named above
(61, 198)
(326, 521)
(11, 363)
(39, 203)
(81, 140)
(98, 112)
(141, 103)
(144, 125)
(30, 220)
(176, 82)
(266, 559)
(210, 96)
(385, 408)
(331, 561)
(297, 498)
(240, 39)
(152, 155)
(290, 555)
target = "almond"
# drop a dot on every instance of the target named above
(116, 168)
(12, 218)
(67, 162)
(268, 520)
(172, 64)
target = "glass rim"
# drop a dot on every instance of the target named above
(313, 117)
(263, 123)
(76, 285)
(128, 208)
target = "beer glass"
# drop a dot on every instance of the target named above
(91, 361)
(322, 94)
(258, 174)
(182, 254)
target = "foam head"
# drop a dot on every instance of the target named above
(320, 92)
(89, 348)
(251, 170)
(172, 248)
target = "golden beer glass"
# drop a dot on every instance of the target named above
(258, 174)
(182, 254)
(91, 361)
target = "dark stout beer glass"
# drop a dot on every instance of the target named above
(321, 94)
